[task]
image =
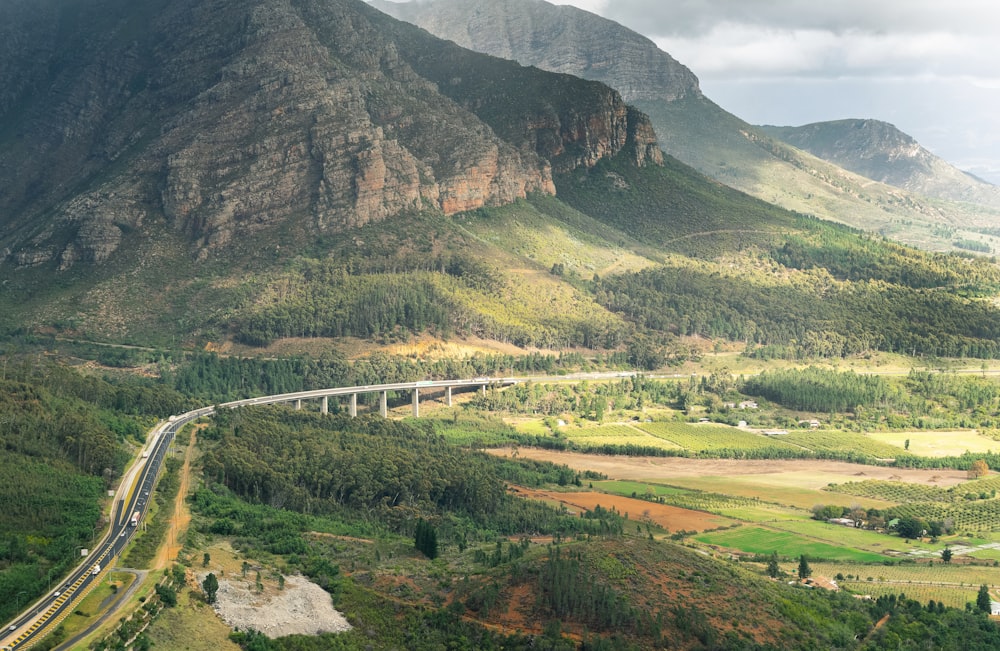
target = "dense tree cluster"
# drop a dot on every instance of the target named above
(815, 389)
(808, 315)
(382, 468)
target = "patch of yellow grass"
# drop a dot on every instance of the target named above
(939, 443)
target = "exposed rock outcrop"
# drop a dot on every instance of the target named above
(224, 117)
(557, 38)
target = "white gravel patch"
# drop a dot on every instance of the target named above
(302, 608)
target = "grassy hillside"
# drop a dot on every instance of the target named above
(703, 135)
(622, 253)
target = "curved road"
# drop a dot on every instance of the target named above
(133, 495)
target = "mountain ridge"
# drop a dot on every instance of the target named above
(215, 117)
(688, 124)
(880, 151)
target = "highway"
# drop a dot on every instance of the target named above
(133, 496)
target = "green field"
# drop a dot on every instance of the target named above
(860, 539)
(759, 540)
(705, 437)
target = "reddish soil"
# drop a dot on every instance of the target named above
(670, 517)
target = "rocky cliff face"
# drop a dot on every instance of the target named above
(558, 38)
(220, 117)
(688, 125)
(881, 152)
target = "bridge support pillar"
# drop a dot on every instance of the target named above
(416, 402)
(325, 405)
(483, 389)
(447, 396)
(383, 406)
(354, 405)
(298, 404)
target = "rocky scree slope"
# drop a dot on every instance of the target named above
(218, 118)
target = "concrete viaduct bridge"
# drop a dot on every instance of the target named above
(480, 383)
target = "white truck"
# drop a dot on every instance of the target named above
(96, 569)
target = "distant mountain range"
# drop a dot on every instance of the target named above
(693, 128)
(883, 153)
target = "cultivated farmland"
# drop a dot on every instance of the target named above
(842, 442)
(707, 437)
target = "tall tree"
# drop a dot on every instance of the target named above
(804, 570)
(983, 600)
(425, 539)
(978, 469)
(211, 586)
(773, 569)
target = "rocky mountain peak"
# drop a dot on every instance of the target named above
(881, 152)
(558, 38)
(222, 117)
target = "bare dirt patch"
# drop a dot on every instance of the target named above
(672, 518)
(810, 473)
(301, 608)
(180, 518)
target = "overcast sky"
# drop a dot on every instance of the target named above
(931, 67)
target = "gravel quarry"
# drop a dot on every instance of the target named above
(301, 608)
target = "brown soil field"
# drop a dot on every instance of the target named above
(809, 473)
(670, 517)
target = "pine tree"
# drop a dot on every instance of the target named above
(804, 570)
(425, 539)
(210, 585)
(983, 599)
(773, 570)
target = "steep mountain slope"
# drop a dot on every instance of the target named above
(881, 152)
(217, 118)
(212, 170)
(688, 125)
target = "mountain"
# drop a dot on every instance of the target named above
(213, 119)
(558, 38)
(295, 173)
(689, 125)
(883, 153)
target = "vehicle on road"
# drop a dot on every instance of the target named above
(134, 521)
(96, 570)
